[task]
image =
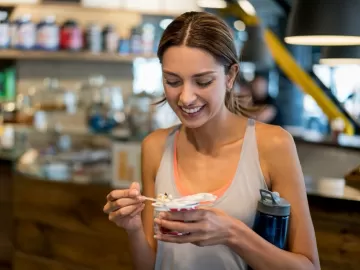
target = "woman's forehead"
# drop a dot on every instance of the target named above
(183, 59)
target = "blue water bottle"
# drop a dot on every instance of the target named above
(272, 218)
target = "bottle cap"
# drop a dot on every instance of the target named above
(272, 204)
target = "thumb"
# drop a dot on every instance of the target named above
(135, 185)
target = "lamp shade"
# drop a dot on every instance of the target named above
(340, 55)
(324, 22)
(255, 49)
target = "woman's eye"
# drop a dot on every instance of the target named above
(172, 83)
(204, 84)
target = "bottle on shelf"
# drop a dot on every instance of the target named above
(14, 27)
(110, 39)
(25, 33)
(71, 38)
(8, 84)
(124, 45)
(147, 38)
(47, 36)
(93, 38)
(136, 41)
(4, 30)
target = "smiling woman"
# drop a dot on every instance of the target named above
(216, 150)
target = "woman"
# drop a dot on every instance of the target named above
(216, 149)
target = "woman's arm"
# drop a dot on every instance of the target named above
(142, 242)
(286, 178)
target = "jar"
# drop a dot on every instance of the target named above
(136, 41)
(52, 97)
(71, 36)
(25, 33)
(148, 37)
(110, 39)
(47, 37)
(14, 28)
(4, 31)
(140, 113)
(103, 104)
(93, 38)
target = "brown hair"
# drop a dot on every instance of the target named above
(207, 32)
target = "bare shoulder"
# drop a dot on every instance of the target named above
(152, 147)
(277, 152)
(273, 139)
(156, 139)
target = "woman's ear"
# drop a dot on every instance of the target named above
(231, 76)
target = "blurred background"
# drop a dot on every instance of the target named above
(78, 79)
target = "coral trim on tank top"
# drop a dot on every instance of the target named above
(183, 190)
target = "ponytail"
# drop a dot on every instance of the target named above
(240, 104)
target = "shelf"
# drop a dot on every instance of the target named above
(69, 56)
(79, 7)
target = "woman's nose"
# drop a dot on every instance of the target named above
(187, 96)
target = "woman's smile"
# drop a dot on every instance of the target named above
(191, 112)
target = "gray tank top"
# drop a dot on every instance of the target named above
(239, 200)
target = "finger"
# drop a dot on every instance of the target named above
(191, 215)
(180, 226)
(135, 185)
(115, 205)
(123, 212)
(122, 193)
(183, 239)
(121, 203)
(138, 211)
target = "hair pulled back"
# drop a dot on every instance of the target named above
(208, 32)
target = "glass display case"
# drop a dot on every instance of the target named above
(64, 156)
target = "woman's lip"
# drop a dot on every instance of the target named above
(192, 107)
(192, 114)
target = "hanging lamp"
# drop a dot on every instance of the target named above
(324, 23)
(340, 55)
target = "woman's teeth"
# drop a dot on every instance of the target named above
(192, 110)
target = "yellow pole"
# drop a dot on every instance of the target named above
(292, 70)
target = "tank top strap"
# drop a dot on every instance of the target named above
(250, 156)
(166, 162)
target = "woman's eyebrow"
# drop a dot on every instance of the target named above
(170, 73)
(195, 75)
(204, 73)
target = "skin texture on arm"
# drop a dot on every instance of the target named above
(284, 171)
(142, 243)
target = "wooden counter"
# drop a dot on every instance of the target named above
(6, 247)
(337, 229)
(62, 226)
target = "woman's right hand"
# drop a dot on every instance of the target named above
(124, 207)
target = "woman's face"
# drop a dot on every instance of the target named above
(195, 84)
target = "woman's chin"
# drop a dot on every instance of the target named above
(193, 123)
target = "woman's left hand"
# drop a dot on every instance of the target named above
(208, 227)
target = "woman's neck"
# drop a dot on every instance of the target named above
(224, 128)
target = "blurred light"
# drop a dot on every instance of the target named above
(239, 25)
(212, 3)
(9, 107)
(340, 55)
(322, 40)
(165, 23)
(3, 15)
(247, 7)
(339, 61)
